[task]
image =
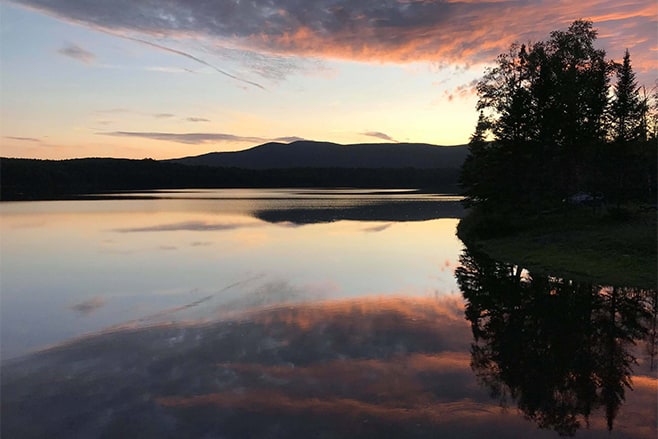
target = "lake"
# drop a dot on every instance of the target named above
(302, 313)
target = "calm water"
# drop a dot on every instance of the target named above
(70, 267)
(301, 313)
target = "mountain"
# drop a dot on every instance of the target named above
(309, 154)
(298, 164)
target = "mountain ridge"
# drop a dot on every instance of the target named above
(315, 154)
(298, 164)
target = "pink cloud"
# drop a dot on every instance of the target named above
(397, 31)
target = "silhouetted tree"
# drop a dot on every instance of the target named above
(545, 117)
(628, 108)
(498, 168)
(544, 107)
(626, 174)
(651, 99)
(480, 174)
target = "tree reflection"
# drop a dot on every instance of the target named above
(560, 349)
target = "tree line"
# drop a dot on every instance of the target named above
(44, 179)
(552, 124)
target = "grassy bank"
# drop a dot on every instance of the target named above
(607, 246)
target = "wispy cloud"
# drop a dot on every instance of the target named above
(77, 53)
(162, 115)
(288, 139)
(187, 138)
(192, 57)
(470, 31)
(196, 138)
(114, 111)
(168, 69)
(461, 91)
(23, 139)
(379, 135)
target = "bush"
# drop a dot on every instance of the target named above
(485, 224)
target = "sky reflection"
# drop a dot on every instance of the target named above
(189, 317)
(361, 367)
(142, 256)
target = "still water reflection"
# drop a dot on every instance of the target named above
(303, 314)
(560, 350)
(72, 267)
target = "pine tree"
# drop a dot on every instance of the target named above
(545, 105)
(628, 108)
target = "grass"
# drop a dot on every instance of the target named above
(615, 246)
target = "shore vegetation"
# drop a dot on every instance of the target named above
(561, 171)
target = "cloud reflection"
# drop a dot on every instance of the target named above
(375, 367)
(88, 306)
(380, 228)
(195, 226)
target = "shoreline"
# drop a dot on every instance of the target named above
(580, 245)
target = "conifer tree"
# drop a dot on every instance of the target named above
(544, 105)
(628, 109)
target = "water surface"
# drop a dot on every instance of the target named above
(71, 267)
(303, 313)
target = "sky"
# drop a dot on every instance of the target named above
(174, 78)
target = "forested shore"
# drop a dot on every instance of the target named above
(31, 179)
(562, 163)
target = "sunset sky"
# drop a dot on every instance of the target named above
(162, 79)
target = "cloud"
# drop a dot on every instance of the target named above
(163, 115)
(187, 138)
(190, 56)
(197, 119)
(274, 67)
(198, 138)
(168, 69)
(23, 139)
(472, 31)
(77, 53)
(288, 139)
(114, 111)
(461, 91)
(379, 135)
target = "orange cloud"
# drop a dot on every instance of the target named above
(458, 31)
(462, 31)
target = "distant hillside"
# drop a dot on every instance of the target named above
(24, 179)
(308, 154)
(299, 164)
